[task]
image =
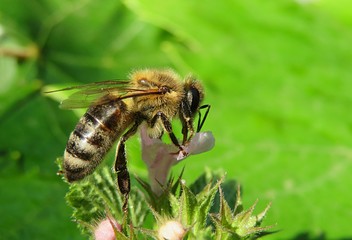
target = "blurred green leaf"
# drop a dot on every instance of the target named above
(30, 205)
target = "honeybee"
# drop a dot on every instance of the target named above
(116, 109)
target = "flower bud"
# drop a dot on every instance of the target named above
(172, 230)
(106, 229)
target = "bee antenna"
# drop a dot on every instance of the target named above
(200, 120)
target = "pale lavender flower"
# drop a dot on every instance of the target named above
(160, 157)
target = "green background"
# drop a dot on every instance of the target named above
(277, 74)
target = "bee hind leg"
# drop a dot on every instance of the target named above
(123, 177)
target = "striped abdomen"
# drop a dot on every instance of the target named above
(92, 138)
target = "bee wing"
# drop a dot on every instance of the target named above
(101, 92)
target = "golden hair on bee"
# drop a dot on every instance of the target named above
(161, 79)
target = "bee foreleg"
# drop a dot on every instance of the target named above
(168, 128)
(123, 177)
(187, 121)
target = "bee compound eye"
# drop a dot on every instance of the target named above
(193, 98)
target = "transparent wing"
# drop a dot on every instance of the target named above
(101, 92)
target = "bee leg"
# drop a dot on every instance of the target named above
(123, 177)
(168, 128)
(187, 121)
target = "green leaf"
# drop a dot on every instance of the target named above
(225, 213)
(238, 205)
(205, 200)
(121, 236)
(188, 205)
(235, 224)
(175, 205)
